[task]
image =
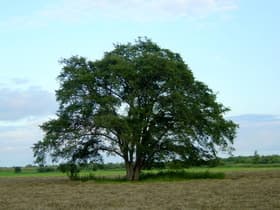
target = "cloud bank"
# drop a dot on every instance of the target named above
(16, 142)
(16, 104)
(22, 109)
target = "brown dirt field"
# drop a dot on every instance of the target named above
(240, 190)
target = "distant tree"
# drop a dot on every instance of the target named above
(140, 102)
(256, 157)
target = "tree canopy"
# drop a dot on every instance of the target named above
(140, 102)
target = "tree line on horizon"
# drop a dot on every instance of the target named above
(246, 161)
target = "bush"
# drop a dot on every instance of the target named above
(101, 179)
(17, 169)
(170, 175)
(71, 169)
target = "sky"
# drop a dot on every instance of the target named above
(231, 45)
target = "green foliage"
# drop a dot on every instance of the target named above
(140, 102)
(17, 169)
(255, 159)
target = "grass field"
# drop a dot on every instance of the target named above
(32, 172)
(242, 188)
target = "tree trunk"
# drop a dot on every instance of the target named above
(132, 171)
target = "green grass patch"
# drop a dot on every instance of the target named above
(112, 175)
(27, 172)
(165, 175)
(245, 165)
(105, 173)
(34, 172)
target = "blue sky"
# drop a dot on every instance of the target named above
(231, 45)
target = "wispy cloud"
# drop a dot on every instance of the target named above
(257, 120)
(137, 9)
(130, 10)
(20, 81)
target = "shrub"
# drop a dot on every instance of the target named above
(17, 169)
(180, 175)
(71, 169)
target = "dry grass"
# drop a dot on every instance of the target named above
(240, 190)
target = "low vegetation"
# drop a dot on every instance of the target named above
(171, 175)
(154, 176)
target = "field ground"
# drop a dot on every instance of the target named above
(241, 189)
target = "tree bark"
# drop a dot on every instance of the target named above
(132, 171)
